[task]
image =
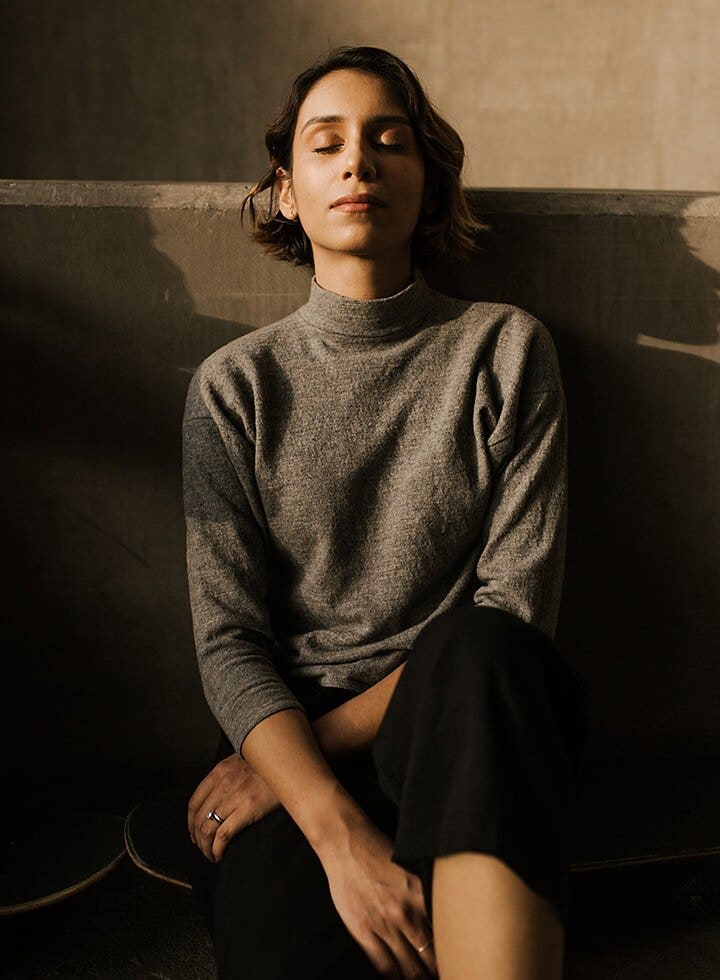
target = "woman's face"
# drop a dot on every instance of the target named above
(367, 147)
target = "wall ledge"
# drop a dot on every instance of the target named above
(227, 196)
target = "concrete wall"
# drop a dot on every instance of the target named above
(554, 94)
(113, 293)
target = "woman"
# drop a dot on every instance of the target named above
(375, 495)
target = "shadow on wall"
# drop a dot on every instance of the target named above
(107, 311)
(101, 340)
(634, 311)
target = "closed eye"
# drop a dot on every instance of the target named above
(384, 146)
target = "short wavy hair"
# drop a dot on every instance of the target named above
(450, 229)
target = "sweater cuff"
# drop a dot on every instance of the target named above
(244, 724)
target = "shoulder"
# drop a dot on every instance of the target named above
(505, 319)
(224, 386)
(511, 337)
(248, 349)
(512, 326)
(524, 340)
(229, 374)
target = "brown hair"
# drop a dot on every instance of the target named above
(449, 229)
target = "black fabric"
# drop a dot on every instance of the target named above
(480, 749)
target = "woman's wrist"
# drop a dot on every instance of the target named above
(334, 819)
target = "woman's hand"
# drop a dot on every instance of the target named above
(381, 904)
(237, 794)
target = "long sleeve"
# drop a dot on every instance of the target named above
(521, 565)
(228, 574)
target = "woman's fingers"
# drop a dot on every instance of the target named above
(399, 959)
(427, 957)
(237, 795)
(196, 803)
(381, 904)
(412, 932)
(424, 961)
(405, 928)
(420, 933)
(411, 963)
(225, 832)
(382, 958)
(207, 827)
(418, 930)
(396, 938)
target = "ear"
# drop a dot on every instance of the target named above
(286, 198)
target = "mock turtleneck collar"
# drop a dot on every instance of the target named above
(369, 317)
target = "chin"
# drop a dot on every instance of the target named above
(363, 242)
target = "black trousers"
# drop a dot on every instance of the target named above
(480, 749)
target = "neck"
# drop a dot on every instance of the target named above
(380, 316)
(358, 277)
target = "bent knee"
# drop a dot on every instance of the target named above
(481, 636)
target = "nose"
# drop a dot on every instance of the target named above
(359, 161)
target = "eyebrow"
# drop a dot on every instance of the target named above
(373, 119)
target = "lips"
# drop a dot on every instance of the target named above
(359, 199)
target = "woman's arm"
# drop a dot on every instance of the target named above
(228, 574)
(521, 565)
(308, 789)
(228, 578)
(283, 751)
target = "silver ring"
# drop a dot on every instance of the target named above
(213, 816)
(421, 948)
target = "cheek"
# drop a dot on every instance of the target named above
(413, 196)
(312, 197)
(412, 182)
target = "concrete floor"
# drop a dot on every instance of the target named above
(127, 926)
(130, 926)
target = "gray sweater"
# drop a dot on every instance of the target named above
(353, 470)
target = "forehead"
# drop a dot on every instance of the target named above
(354, 95)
